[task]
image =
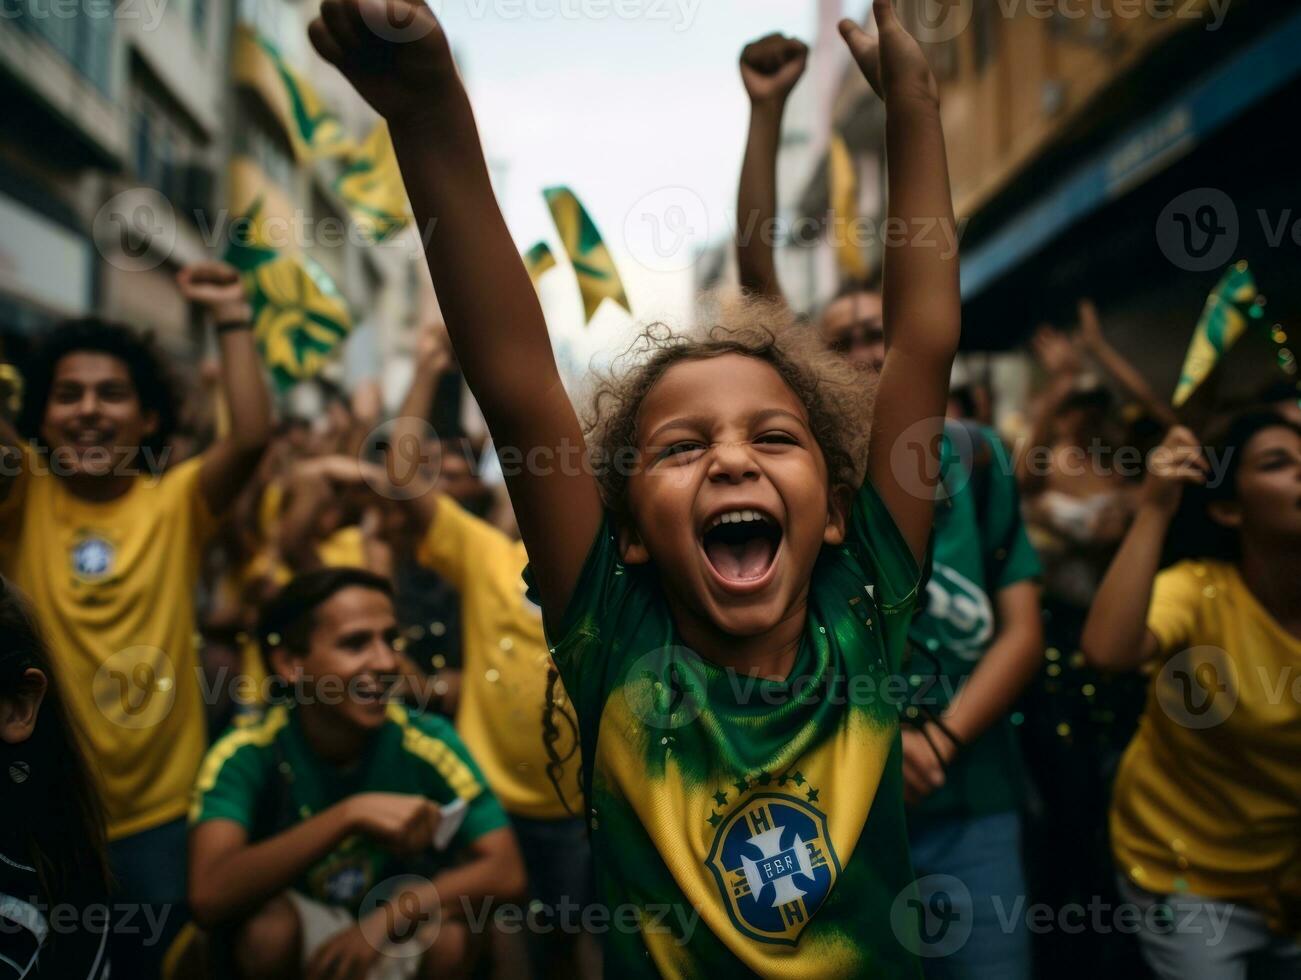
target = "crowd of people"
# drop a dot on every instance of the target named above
(804, 670)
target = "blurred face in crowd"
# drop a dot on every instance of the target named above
(456, 476)
(852, 325)
(350, 662)
(94, 413)
(731, 497)
(1267, 486)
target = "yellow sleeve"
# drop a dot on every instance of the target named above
(457, 542)
(1176, 598)
(181, 486)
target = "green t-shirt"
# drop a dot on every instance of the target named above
(264, 776)
(957, 621)
(772, 811)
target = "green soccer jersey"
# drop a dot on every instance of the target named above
(265, 777)
(743, 825)
(979, 545)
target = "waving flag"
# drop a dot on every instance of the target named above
(538, 260)
(371, 186)
(299, 317)
(598, 279)
(249, 245)
(843, 193)
(1233, 304)
(312, 128)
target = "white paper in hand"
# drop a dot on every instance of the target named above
(453, 815)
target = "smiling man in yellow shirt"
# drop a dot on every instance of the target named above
(106, 541)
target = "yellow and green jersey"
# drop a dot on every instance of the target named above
(743, 825)
(264, 775)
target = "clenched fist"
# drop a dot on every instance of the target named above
(771, 66)
(393, 52)
(218, 288)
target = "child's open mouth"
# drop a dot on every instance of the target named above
(741, 545)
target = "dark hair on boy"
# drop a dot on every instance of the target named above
(146, 364)
(56, 810)
(289, 617)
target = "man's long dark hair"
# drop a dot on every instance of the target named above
(55, 812)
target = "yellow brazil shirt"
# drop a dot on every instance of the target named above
(113, 588)
(503, 683)
(1208, 797)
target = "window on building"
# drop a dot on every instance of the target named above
(82, 34)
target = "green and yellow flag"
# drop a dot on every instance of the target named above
(299, 317)
(371, 186)
(312, 128)
(843, 194)
(598, 279)
(538, 260)
(249, 245)
(1233, 304)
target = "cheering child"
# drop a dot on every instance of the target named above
(732, 566)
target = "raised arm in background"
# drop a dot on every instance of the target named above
(770, 67)
(233, 458)
(922, 308)
(1115, 364)
(1115, 634)
(395, 54)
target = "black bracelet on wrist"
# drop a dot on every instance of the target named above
(229, 325)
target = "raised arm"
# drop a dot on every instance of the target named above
(770, 67)
(1115, 634)
(922, 308)
(231, 461)
(1115, 364)
(487, 299)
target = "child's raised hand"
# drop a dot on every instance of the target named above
(394, 52)
(771, 66)
(892, 62)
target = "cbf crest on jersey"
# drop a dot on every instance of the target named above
(774, 864)
(92, 558)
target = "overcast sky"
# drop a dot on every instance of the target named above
(635, 104)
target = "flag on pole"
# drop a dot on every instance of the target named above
(843, 194)
(371, 187)
(299, 317)
(1233, 304)
(538, 260)
(313, 129)
(598, 279)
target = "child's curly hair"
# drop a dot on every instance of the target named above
(837, 396)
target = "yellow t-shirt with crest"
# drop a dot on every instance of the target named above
(112, 585)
